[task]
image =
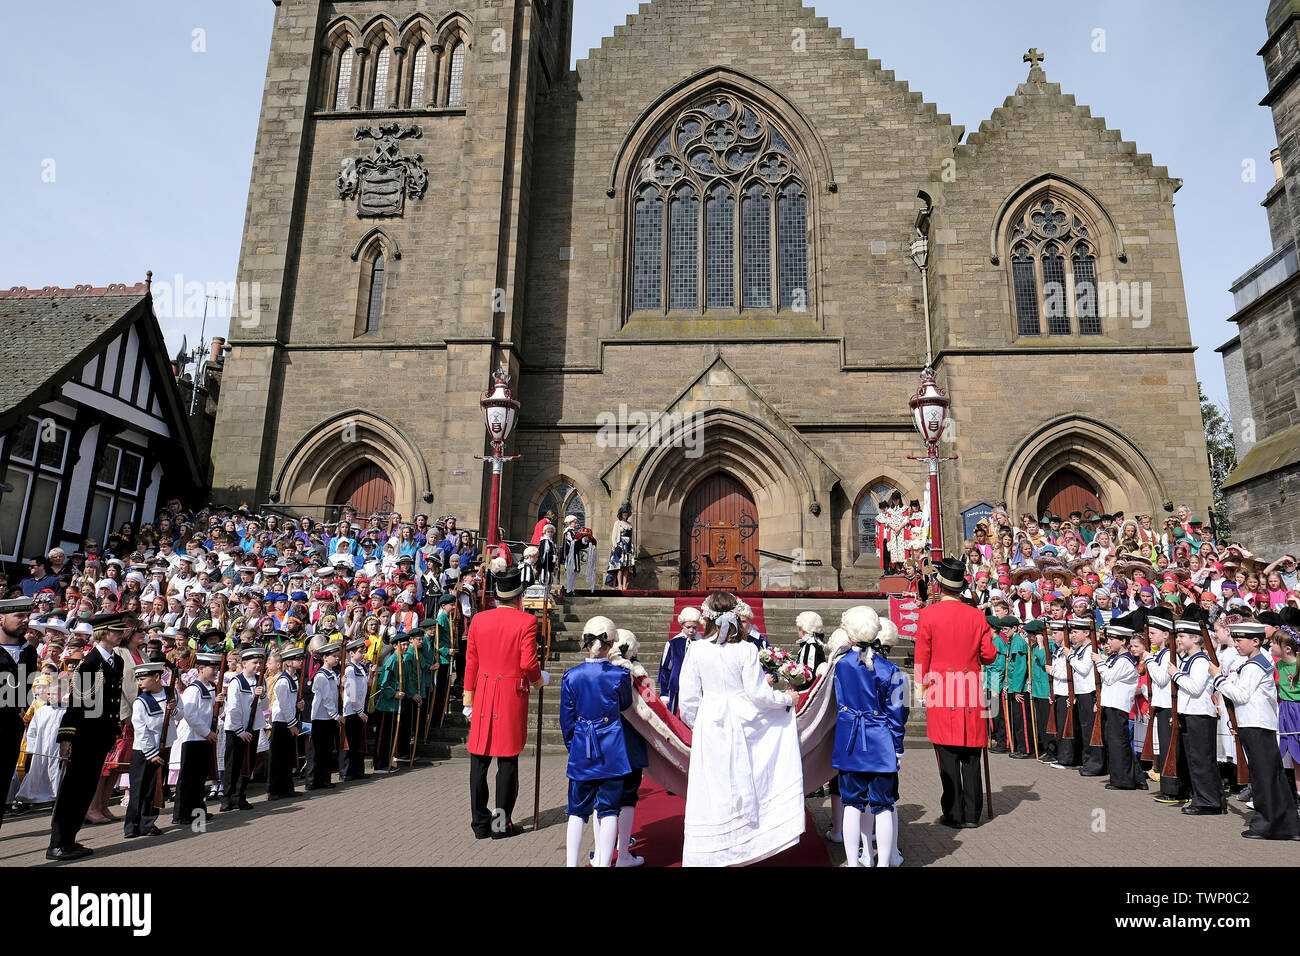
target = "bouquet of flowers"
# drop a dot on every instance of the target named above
(794, 675)
(772, 659)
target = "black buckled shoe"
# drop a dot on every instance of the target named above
(66, 854)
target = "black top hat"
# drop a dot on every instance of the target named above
(951, 574)
(508, 584)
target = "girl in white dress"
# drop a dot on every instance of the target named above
(744, 796)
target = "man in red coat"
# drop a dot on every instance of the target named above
(500, 667)
(952, 640)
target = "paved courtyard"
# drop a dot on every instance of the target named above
(419, 817)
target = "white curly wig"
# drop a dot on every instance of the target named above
(689, 615)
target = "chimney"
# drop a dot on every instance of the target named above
(218, 344)
(1276, 156)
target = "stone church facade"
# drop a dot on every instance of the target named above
(705, 226)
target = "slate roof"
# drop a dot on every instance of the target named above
(1272, 454)
(45, 330)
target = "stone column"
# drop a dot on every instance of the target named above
(395, 78)
(433, 80)
(359, 84)
(330, 76)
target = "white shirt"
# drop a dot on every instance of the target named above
(239, 701)
(1195, 693)
(1058, 671)
(1119, 682)
(196, 712)
(284, 700)
(1081, 663)
(325, 695)
(148, 714)
(1251, 688)
(356, 683)
(1158, 671)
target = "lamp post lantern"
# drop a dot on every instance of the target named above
(929, 412)
(500, 409)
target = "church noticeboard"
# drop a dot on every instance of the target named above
(973, 516)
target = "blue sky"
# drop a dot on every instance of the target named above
(133, 152)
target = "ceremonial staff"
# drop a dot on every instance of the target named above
(251, 753)
(415, 721)
(1096, 739)
(541, 691)
(1243, 771)
(397, 725)
(173, 692)
(988, 783)
(456, 624)
(1148, 745)
(343, 730)
(1170, 767)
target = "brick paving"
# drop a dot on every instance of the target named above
(420, 818)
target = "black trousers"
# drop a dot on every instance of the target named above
(141, 814)
(191, 785)
(352, 762)
(1125, 769)
(11, 739)
(234, 778)
(441, 688)
(408, 728)
(1046, 742)
(80, 779)
(507, 790)
(1067, 745)
(384, 738)
(1173, 784)
(1085, 714)
(959, 772)
(1018, 707)
(324, 745)
(996, 705)
(1274, 798)
(282, 761)
(1197, 741)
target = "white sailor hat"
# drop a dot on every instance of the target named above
(1082, 623)
(150, 669)
(1160, 623)
(211, 659)
(1247, 629)
(1120, 632)
(292, 654)
(252, 653)
(1187, 627)
(333, 647)
(1056, 625)
(18, 605)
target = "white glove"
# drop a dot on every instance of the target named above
(467, 711)
(664, 699)
(546, 678)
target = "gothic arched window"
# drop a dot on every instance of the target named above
(343, 90)
(722, 194)
(563, 499)
(375, 296)
(456, 79)
(421, 66)
(1053, 270)
(380, 97)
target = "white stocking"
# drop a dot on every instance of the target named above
(606, 836)
(887, 836)
(573, 844)
(836, 832)
(626, 817)
(853, 836)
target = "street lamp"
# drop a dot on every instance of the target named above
(500, 408)
(929, 411)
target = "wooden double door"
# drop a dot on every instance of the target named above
(719, 536)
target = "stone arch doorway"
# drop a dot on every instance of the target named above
(1067, 491)
(719, 535)
(1112, 467)
(367, 489)
(314, 472)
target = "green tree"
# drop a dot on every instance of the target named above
(1223, 456)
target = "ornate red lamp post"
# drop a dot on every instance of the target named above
(500, 409)
(929, 412)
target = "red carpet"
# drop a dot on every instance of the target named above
(658, 833)
(684, 601)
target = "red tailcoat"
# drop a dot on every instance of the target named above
(500, 665)
(952, 640)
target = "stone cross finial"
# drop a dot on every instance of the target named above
(1033, 58)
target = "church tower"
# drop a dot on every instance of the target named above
(383, 241)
